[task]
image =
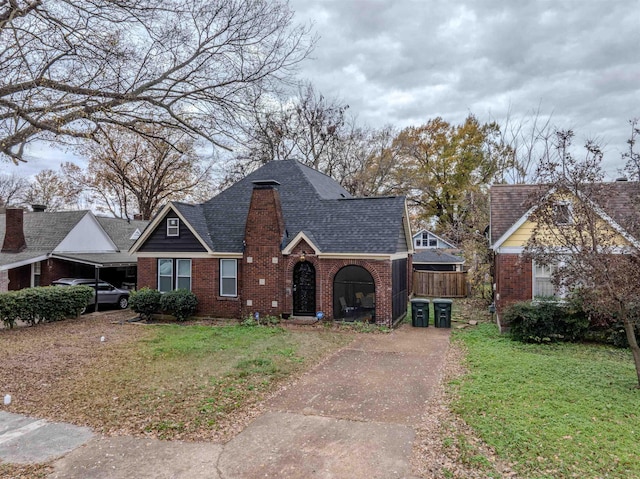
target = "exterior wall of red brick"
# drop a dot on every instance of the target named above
(265, 275)
(514, 279)
(20, 278)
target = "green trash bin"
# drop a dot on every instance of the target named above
(442, 313)
(420, 313)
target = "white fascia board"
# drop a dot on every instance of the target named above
(514, 227)
(24, 262)
(407, 229)
(156, 222)
(182, 254)
(509, 250)
(370, 256)
(295, 241)
(151, 227)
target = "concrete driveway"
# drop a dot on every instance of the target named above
(351, 417)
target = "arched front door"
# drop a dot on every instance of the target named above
(304, 289)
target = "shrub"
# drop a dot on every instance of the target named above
(546, 321)
(40, 304)
(145, 302)
(7, 309)
(181, 303)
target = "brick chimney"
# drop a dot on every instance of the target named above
(14, 241)
(262, 276)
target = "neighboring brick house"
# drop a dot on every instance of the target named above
(517, 278)
(39, 247)
(286, 240)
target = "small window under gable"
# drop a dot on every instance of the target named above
(562, 213)
(173, 227)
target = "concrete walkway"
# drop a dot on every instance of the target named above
(25, 440)
(352, 417)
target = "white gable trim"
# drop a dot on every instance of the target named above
(514, 227)
(87, 236)
(599, 211)
(151, 227)
(423, 230)
(407, 229)
(296, 240)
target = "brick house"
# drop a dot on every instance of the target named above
(39, 247)
(517, 278)
(286, 240)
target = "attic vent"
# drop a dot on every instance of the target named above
(136, 234)
(265, 184)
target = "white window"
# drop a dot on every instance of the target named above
(173, 227)
(183, 274)
(36, 271)
(174, 272)
(228, 277)
(562, 214)
(165, 275)
(542, 281)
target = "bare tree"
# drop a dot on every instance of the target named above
(131, 174)
(51, 189)
(573, 234)
(309, 127)
(68, 68)
(632, 156)
(12, 189)
(526, 142)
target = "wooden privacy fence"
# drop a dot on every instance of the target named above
(441, 284)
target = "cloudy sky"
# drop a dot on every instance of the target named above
(403, 62)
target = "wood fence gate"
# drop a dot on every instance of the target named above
(440, 284)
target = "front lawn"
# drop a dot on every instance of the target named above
(195, 382)
(554, 411)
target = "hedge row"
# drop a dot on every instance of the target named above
(41, 304)
(546, 321)
(551, 321)
(181, 303)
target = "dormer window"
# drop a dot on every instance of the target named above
(173, 227)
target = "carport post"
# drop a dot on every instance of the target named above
(97, 269)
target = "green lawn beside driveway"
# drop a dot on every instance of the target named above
(554, 410)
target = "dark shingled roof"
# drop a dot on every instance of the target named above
(311, 202)
(43, 232)
(619, 200)
(435, 256)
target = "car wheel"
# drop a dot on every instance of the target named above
(123, 302)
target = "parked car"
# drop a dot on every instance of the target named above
(107, 293)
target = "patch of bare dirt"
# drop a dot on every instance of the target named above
(36, 360)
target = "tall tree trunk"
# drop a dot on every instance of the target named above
(629, 328)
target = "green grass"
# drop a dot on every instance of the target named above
(187, 382)
(561, 410)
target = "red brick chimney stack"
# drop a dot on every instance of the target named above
(14, 241)
(262, 265)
